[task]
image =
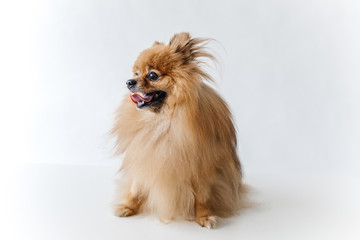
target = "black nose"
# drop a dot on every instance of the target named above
(131, 82)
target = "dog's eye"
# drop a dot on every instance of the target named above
(136, 74)
(152, 76)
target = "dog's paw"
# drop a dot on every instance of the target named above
(123, 211)
(207, 221)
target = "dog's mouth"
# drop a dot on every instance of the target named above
(152, 99)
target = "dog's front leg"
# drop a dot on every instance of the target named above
(204, 216)
(130, 204)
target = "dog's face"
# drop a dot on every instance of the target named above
(151, 83)
(166, 74)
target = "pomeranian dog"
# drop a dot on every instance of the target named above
(178, 139)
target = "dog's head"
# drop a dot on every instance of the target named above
(168, 74)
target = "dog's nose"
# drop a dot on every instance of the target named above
(131, 82)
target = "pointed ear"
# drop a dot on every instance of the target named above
(157, 43)
(190, 49)
(180, 42)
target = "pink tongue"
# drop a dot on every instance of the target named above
(137, 98)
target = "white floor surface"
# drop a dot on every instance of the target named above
(69, 202)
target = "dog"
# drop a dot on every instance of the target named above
(177, 138)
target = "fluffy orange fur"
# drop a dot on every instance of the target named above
(180, 157)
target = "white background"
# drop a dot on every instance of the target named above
(289, 71)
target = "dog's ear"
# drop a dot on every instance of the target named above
(157, 43)
(180, 43)
(191, 49)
